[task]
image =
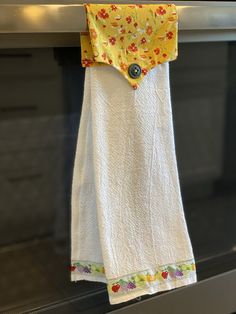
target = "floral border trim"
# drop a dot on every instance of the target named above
(159, 275)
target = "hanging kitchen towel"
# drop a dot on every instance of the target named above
(128, 224)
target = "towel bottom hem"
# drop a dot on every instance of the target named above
(153, 289)
(129, 295)
(78, 277)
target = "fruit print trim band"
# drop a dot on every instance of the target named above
(159, 275)
(88, 268)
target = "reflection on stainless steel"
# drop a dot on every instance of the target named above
(42, 18)
(198, 21)
(207, 16)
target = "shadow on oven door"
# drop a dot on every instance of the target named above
(41, 94)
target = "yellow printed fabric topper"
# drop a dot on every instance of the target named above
(132, 38)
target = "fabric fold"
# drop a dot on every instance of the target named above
(128, 224)
(121, 35)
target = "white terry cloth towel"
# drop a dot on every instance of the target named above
(128, 224)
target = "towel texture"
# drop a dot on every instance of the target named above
(128, 223)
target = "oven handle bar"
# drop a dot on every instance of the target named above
(198, 21)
